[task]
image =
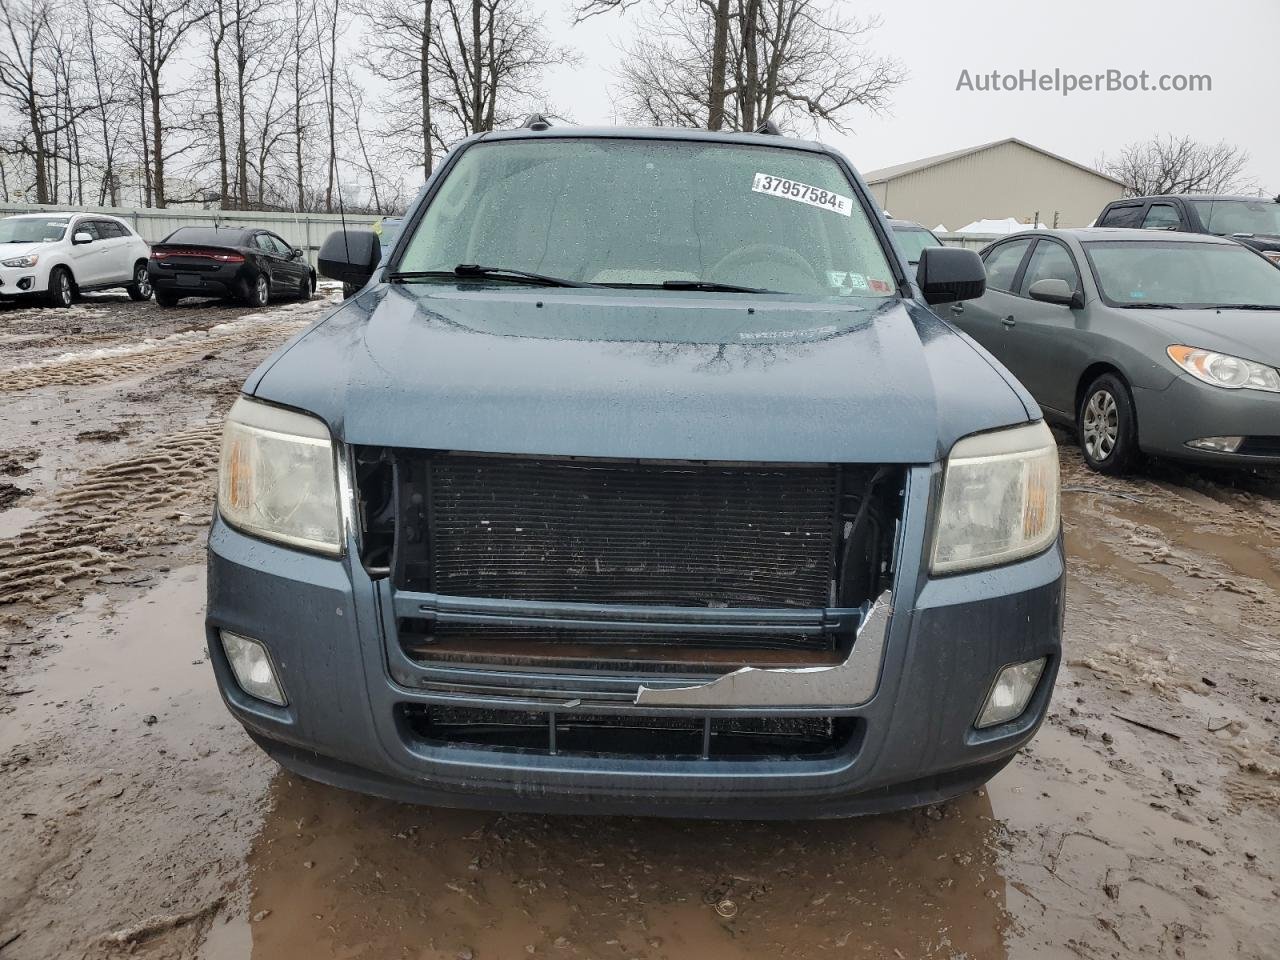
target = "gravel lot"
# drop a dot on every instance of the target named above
(137, 819)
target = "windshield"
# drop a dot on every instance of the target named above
(1239, 216)
(32, 229)
(620, 212)
(1150, 272)
(913, 240)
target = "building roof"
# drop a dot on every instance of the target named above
(915, 166)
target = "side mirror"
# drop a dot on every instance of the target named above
(948, 274)
(295, 253)
(1053, 290)
(350, 256)
(82, 238)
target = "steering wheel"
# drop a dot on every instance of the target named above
(762, 254)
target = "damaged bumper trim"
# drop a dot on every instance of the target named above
(621, 618)
(847, 684)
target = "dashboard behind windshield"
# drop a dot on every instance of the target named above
(638, 213)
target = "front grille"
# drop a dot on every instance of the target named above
(681, 534)
(568, 733)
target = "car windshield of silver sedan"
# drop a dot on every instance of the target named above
(683, 215)
(1183, 275)
(32, 229)
(1226, 217)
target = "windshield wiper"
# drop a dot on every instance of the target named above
(1153, 306)
(710, 286)
(474, 271)
(1246, 306)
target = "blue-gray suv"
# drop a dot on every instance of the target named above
(639, 477)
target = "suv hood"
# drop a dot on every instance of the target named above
(650, 374)
(9, 251)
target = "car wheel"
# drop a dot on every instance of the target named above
(140, 289)
(167, 299)
(1107, 426)
(307, 288)
(260, 292)
(62, 290)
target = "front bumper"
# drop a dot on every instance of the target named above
(20, 281)
(348, 685)
(1189, 410)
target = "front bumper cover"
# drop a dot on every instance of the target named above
(347, 681)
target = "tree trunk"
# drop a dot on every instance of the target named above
(157, 140)
(222, 124)
(477, 74)
(719, 58)
(424, 80)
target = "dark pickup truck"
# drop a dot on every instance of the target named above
(1253, 221)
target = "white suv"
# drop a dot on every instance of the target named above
(57, 255)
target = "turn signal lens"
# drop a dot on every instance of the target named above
(1224, 370)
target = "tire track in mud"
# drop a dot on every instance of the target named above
(111, 367)
(112, 517)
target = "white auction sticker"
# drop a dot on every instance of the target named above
(802, 192)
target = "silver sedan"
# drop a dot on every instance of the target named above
(1144, 341)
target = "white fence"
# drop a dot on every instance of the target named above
(305, 230)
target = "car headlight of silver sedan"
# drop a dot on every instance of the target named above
(1224, 370)
(277, 477)
(28, 261)
(999, 499)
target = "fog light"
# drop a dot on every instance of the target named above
(251, 664)
(24, 283)
(1010, 693)
(1217, 444)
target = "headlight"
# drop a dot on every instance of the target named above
(1223, 370)
(999, 499)
(277, 478)
(27, 261)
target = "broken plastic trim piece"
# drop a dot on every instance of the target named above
(847, 684)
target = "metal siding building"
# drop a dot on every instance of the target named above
(1008, 178)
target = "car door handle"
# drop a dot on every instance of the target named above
(1009, 322)
(957, 308)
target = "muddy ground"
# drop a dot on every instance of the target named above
(137, 819)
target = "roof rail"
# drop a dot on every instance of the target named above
(536, 121)
(769, 127)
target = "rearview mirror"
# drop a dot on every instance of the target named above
(1053, 290)
(82, 238)
(948, 274)
(350, 256)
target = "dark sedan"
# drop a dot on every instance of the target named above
(1145, 341)
(246, 263)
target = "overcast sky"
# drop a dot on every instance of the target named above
(1234, 41)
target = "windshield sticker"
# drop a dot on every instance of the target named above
(881, 286)
(803, 193)
(846, 282)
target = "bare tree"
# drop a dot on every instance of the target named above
(796, 62)
(1172, 164)
(25, 84)
(153, 31)
(325, 18)
(490, 55)
(108, 104)
(403, 31)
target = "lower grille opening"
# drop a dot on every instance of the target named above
(567, 733)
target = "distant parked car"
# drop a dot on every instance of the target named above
(247, 263)
(913, 238)
(1253, 221)
(1145, 341)
(57, 256)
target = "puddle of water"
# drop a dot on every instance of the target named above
(345, 875)
(16, 519)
